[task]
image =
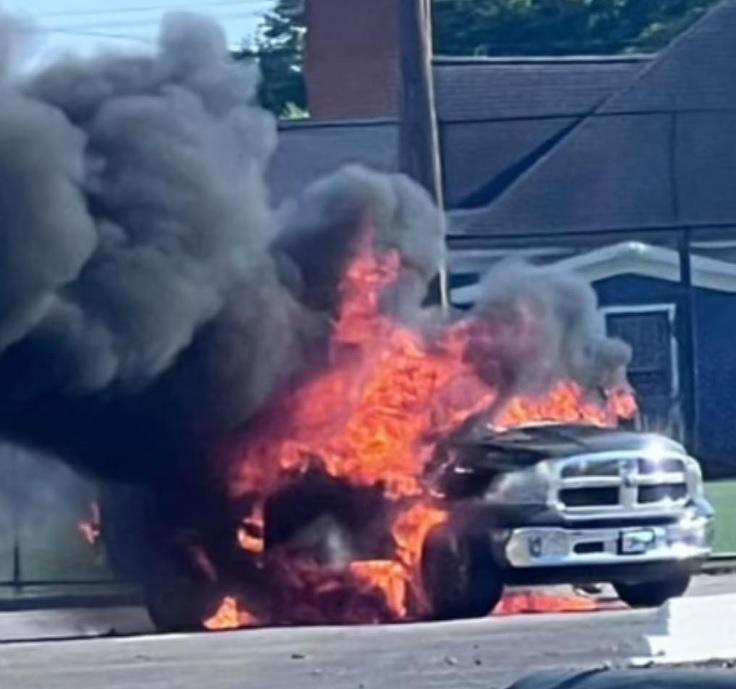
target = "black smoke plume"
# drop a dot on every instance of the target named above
(151, 300)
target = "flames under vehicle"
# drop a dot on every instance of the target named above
(562, 503)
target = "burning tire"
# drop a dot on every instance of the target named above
(652, 594)
(459, 575)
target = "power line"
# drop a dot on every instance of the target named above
(149, 8)
(141, 22)
(103, 34)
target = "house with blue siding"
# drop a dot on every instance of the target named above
(640, 291)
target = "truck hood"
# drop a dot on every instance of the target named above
(527, 445)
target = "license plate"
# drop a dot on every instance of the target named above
(636, 541)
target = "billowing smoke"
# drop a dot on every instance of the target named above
(151, 300)
(548, 327)
(320, 228)
(127, 185)
(135, 271)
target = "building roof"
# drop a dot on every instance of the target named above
(554, 146)
(473, 89)
(660, 152)
(309, 150)
(493, 114)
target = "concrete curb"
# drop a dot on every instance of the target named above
(631, 679)
(721, 563)
(692, 630)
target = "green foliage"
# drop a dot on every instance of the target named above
(278, 46)
(484, 27)
(560, 27)
(722, 495)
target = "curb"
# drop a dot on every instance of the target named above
(691, 630)
(720, 563)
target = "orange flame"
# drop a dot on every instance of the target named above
(410, 530)
(389, 578)
(230, 616)
(567, 403)
(372, 418)
(251, 532)
(365, 419)
(517, 603)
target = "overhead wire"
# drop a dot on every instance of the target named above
(102, 34)
(138, 22)
(151, 8)
(121, 28)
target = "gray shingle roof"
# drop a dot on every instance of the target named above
(494, 112)
(611, 173)
(488, 89)
(311, 150)
(697, 71)
(537, 146)
(660, 153)
(479, 157)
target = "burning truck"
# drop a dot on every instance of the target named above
(394, 484)
(285, 431)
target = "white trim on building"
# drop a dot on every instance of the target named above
(625, 258)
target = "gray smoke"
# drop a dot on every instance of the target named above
(124, 228)
(547, 326)
(151, 301)
(319, 231)
(136, 228)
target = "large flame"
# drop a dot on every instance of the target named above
(364, 419)
(371, 418)
(567, 403)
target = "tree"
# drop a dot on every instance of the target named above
(278, 46)
(485, 28)
(560, 27)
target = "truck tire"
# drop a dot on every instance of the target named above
(459, 575)
(176, 603)
(652, 594)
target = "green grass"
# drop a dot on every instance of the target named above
(722, 495)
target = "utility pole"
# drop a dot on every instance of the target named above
(419, 153)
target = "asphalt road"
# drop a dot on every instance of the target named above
(485, 653)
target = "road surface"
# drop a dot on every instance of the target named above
(485, 653)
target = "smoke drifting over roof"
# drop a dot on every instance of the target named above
(151, 300)
(549, 328)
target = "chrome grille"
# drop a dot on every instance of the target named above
(604, 485)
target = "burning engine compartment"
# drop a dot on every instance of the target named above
(270, 381)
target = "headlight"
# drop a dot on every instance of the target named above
(528, 486)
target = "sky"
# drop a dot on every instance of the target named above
(85, 26)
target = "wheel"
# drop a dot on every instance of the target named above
(652, 594)
(176, 605)
(459, 575)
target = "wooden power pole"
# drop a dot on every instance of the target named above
(419, 153)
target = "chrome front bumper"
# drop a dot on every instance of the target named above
(689, 539)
